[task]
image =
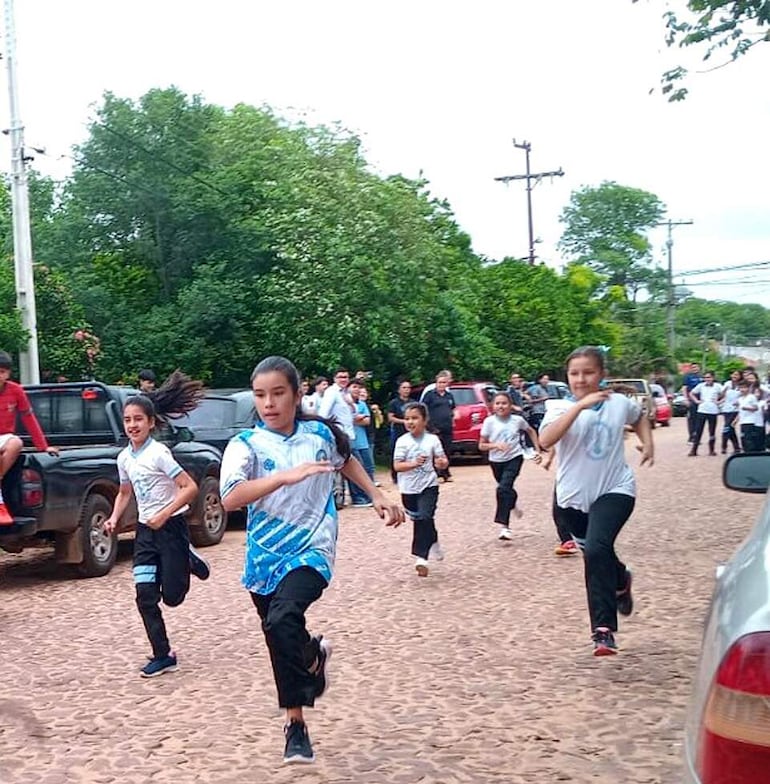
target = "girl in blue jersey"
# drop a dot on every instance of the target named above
(163, 558)
(283, 471)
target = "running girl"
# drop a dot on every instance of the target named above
(416, 456)
(501, 438)
(595, 488)
(283, 471)
(163, 558)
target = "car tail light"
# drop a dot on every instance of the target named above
(734, 745)
(31, 488)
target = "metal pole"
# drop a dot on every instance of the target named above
(671, 300)
(526, 146)
(29, 363)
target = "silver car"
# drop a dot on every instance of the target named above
(727, 735)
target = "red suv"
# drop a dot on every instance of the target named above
(473, 404)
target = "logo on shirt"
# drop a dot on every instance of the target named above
(321, 455)
(269, 464)
(599, 441)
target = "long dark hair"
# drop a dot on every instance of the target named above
(176, 396)
(287, 369)
(592, 352)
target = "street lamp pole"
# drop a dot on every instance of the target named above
(671, 300)
(29, 363)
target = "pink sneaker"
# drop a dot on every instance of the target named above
(567, 548)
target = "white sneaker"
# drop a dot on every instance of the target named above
(421, 565)
(518, 512)
(435, 552)
(505, 533)
(529, 453)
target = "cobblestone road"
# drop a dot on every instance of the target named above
(480, 673)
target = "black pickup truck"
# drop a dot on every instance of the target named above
(65, 500)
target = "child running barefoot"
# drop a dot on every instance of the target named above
(416, 457)
(283, 471)
(163, 558)
(501, 437)
(595, 488)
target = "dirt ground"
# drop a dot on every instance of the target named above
(482, 672)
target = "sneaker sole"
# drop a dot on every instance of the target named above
(327, 648)
(565, 553)
(298, 760)
(605, 651)
(174, 668)
(422, 571)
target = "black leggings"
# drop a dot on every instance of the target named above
(605, 573)
(292, 649)
(421, 507)
(700, 423)
(728, 431)
(506, 473)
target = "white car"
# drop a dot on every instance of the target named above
(727, 734)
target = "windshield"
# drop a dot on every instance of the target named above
(211, 413)
(464, 396)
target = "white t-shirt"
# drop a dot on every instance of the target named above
(504, 431)
(747, 417)
(708, 395)
(407, 449)
(334, 405)
(309, 403)
(730, 399)
(591, 454)
(151, 471)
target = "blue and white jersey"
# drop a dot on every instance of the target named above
(151, 470)
(295, 525)
(591, 454)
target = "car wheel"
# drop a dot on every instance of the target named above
(211, 514)
(100, 549)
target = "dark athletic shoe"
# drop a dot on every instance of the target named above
(324, 654)
(604, 642)
(625, 597)
(156, 667)
(298, 748)
(199, 566)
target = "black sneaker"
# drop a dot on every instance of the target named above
(319, 673)
(298, 748)
(159, 666)
(625, 598)
(199, 566)
(604, 642)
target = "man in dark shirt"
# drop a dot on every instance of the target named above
(691, 380)
(440, 405)
(396, 417)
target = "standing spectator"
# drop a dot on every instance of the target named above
(337, 404)
(147, 381)
(360, 444)
(751, 419)
(396, 420)
(430, 387)
(707, 396)
(441, 406)
(371, 430)
(517, 394)
(729, 409)
(309, 401)
(691, 380)
(538, 394)
(13, 401)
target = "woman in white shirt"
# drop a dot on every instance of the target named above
(708, 397)
(729, 409)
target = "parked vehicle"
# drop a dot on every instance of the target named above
(727, 732)
(473, 404)
(64, 500)
(679, 405)
(663, 412)
(639, 389)
(220, 416)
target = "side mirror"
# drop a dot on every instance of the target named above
(747, 473)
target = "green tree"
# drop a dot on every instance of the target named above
(605, 229)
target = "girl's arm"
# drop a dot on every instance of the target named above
(125, 491)
(251, 490)
(485, 445)
(409, 465)
(391, 512)
(441, 461)
(555, 430)
(186, 490)
(644, 433)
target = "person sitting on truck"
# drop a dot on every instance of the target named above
(13, 401)
(163, 557)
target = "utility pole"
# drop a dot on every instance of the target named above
(671, 302)
(29, 364)
(529, 177)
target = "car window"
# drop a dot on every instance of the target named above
(464, 396)
(71, 410)
(211, 413)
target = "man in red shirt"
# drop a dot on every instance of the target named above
(13, 401)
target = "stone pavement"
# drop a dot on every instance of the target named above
(480, 673)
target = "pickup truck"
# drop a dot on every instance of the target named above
(64, 500)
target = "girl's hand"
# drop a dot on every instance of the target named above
(648, 454)
(294, 475)
(421, 458)
(441, 462)
(110, 525)
(547, 460)
(593, 398)
(157, 521)
(390, 512)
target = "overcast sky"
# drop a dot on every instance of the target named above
(443, 88)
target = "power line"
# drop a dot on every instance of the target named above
(728, 268)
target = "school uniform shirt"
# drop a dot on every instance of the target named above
(309, 403)
(334, 405)
(361, 441)
(730, 399)
(591, 454)
(504, 431)
(295, 525)
(151, 470)
(407, 449)
(708, 397)
(747, 417)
